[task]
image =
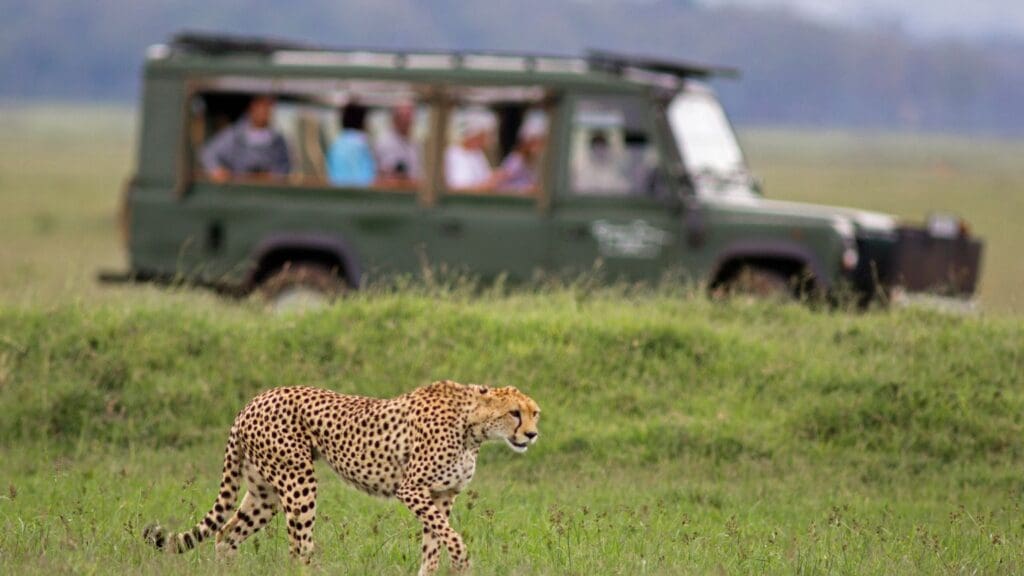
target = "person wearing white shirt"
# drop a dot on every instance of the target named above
(466, 167)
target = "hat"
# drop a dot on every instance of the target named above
(473, 121)
(534, 126)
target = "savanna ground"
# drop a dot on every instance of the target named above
(679, 436)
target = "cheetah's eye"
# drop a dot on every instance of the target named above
(514, 413)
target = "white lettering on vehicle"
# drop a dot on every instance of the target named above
(638, 239)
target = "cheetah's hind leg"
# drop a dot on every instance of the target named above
(258, 506)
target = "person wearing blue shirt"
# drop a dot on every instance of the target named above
(350, 160)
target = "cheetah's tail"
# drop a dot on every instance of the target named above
(215, 518)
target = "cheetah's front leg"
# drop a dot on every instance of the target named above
(436, 529)
(431, 545)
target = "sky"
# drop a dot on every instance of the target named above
(926, 18)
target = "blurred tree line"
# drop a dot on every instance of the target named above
(796, 72)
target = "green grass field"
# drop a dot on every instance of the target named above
(679, 436)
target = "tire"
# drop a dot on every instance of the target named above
(301, 286)
(760, 283)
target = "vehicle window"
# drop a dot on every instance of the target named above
(323, 133)
(612, 152)
(703, 133)
(496, 142)
(708, 145)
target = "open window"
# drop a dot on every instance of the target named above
(309, 132)
(613, 153)
(496, 141)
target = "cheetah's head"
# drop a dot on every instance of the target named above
(507, 414)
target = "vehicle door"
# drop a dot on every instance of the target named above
(485, 220)
(613, 208)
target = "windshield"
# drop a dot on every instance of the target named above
(708, 145)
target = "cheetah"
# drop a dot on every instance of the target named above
(420, 448)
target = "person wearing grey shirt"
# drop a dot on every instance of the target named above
(398, 157)
(249, 147)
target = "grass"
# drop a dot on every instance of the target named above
(678, 437)
(61, 172)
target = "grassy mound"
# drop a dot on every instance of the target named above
(660, 375)
(761, 420)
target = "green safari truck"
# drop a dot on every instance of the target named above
(283, 167)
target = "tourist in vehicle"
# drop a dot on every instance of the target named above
(350, 161)
(521, 168)
(466, 166)
(601, 172)
(249, 148)
(398, 157)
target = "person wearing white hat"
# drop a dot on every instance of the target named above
(519, 171)
(465, 165)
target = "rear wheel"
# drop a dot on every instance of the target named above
(301, 286)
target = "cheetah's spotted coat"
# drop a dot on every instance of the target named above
(420, 447)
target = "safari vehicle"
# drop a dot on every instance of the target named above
(640, 173)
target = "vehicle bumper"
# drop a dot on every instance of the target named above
(917, 262)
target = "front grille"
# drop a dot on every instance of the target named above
(947, 266)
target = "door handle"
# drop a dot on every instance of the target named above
(451, 228)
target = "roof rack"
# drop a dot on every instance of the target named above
(640, 68)
(617, 63)
(220, 44)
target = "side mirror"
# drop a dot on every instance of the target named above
(666, 191)
(757, 185)
(673, 188)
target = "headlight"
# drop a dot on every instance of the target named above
(850, 258)
(847, 231)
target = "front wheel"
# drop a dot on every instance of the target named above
(757, 282)
(302, 286)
